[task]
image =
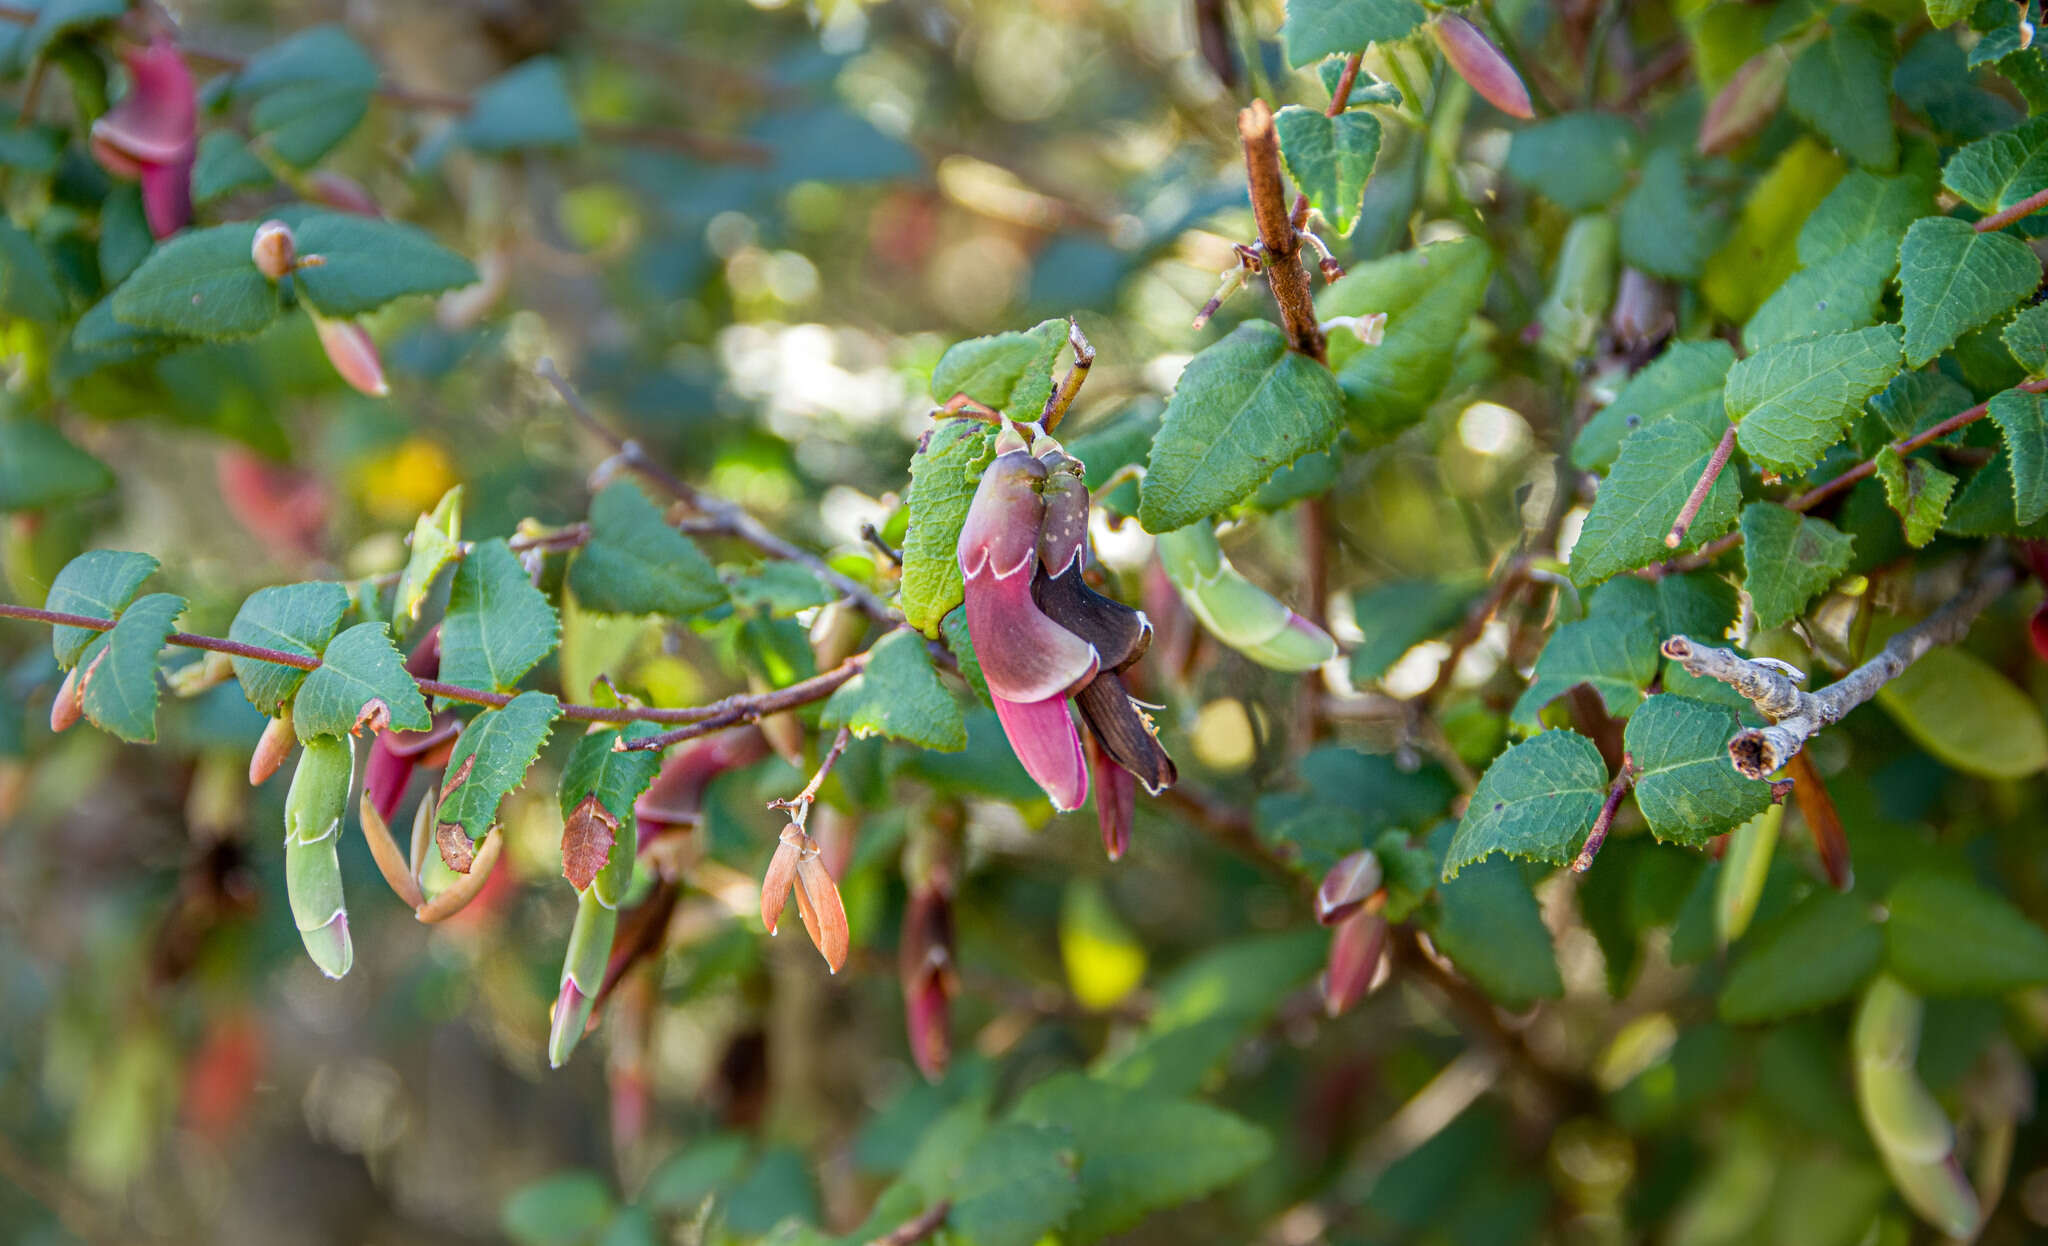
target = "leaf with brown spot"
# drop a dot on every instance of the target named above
(461, 773)
(456, 848)
(375, 715)
(587, 840)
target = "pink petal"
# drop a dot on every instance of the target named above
(1043, 735)
(385, 776)
(167, 196)
(1355, 951)
(157, 122)
(1024, 655)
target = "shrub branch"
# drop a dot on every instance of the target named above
(1797, 715)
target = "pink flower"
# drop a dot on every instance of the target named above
(1044, 639)
(925, 967)
(153, 134)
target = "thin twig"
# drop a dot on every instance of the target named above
(1511, 579)
(1796, 714)
(912, 1231)
(1277, 234)
(873, 536)
(730, 516)
(1698, 497)
(686, 142)
(1605, 822)
(704, 719)
(751, 707)
(799, 805)
(1062, 397)
(1862, 471)
(2017, 212)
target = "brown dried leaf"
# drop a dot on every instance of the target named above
(375, 715)
(781, 876)
(455, 845)
(390, 861)
(817, 901)
(587, 840)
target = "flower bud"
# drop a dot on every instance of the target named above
(354, 355)
(1481, 64)
(66, 710)
(274, 249)
(1746, 104)
(583, 965)
(272, 747)
(1348, 885)
(1355, 952)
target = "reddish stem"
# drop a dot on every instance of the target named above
(1605, 822)
(1698, 497)
(2017, 212)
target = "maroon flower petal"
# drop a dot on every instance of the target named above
(167, 196)
(1116, 797)
(1355, 951)
(1045, 740)
(1024, 655)
(153, 134)
(1064, 534)
(925, 968)
(1001, 530)
(1126, 735)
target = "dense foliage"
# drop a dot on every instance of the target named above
(1357, 620)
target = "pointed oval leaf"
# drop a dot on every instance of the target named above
(357, 667)
(293, 618)
(498, 624)
(1536, 802)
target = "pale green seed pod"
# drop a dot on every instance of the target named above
(1913, 1135)
(1744, 867)
(1582, 288)
(313, 811)
(1236, 611)
(590, 948)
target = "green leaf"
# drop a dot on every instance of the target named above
(357, 667)
(367, 262)
(1949, 12)
(703, 1168)
(1318, 28)
(200, 284)
(2026, 339)
(28, 283)
(1683, 383)
(56, 18)
(1841, 86)
(1817, 954)
(1139, 1152)
(1787, 558)
(616, 777)
(566, 1209)
(98, 583)
(1614, 653)
(1953, 279)
(943, 475)
(1984, 505)
(1632, 512)
(1992, 174)
(1244, 408)
(1968, 716)
(778, 589)
(1578, 161)
(294, 618)
(525, 107)
(635, 563)
(1330, 159)
(502, 743)
(1488, 922)
(498, 624)
(1864, 208)
(898, 695)
(224, 166)
(436, 542)
(954, 626)
(2023, 419)
(125, 240)
(1793, 400)
(1536, 801)
(1009, 372)
(1844, 291)
(1396, 617)
(1948, 936)
(310, 92)
(1430, 296)
(1918, 490)
(119, 689)
(1016, 1185)
(303, 121)
(1686, 786)
(40, 467)
(1666, 228)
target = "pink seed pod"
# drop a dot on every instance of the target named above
(274, 249)
(1481, 65)
(66, 710)
(272, 747)
(353, 354)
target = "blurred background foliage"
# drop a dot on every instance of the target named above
(748, 232)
